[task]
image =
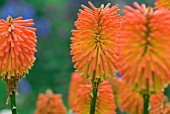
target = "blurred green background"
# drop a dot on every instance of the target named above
(54, 21)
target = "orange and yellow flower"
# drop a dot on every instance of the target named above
(76, 80)
(163, 108)
(17, 48)
(81, 94)
(116, 84)
(93, 43)
(132, 101)
(163, 4)
(144, 59)
(159, 105)
(50, 103)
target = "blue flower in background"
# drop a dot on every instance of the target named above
(43, 26)
(18, 8)
(118, 74)
(24, 86)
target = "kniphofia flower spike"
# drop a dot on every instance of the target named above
(132, 101)
(80, 91)
(17, 48)
(50, 103)
(162, 4)
(93, 43)
(76, 80)
(144, 59)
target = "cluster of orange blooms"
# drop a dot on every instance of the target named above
(17, 48)
(93, 43)
(137, 45)
(80, 96)
(50, 103)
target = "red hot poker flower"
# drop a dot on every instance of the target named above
(116, 84)
(159, 105)
(76, 80)
(144, 60)
(132, 101)
(163, 4)
(80, 91)
(50, 103)
(17, 48)
(93, 43)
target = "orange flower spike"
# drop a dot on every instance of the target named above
(80, 96)
(116, 84)
(144, 60)
(162, 4)
(93, 43)
(105, 100)
(132, 101)
(76, 80)
(50, 103)
(160, 105)
(156, 99)
(17, 48)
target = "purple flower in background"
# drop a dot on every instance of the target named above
(43, 26)
(24, 86)
(16, 8)
(118, 74)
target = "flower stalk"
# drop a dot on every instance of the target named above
(93, 100)
(13, 103)
(146, 103)
(94, 97)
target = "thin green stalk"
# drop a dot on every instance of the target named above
(146, 103)
(93, 99)
(13, 103)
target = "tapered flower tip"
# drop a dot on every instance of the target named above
(17, 48)
(50, 103)
(144, 59)
(162, 4)
(80, 91)
(93, 42)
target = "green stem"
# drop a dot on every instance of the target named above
(13, 103)
(146, 103)
(93, 99)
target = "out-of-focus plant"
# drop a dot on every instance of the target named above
(50, 103)
(162, 4)
(76, 80)
(159, 105)
(80, 96)
(144, 60)
(132, 101)
(17, 48)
